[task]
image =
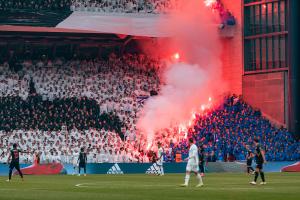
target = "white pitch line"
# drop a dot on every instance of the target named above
(96, 185)
(81, 185)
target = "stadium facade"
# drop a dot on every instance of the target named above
(264, 43)
(269, 59)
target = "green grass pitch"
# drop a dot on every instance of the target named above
(218, 186)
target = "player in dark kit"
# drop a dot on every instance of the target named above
(82, 159)
(201, 159)
(260, 160)
(13, 159)
(249, 158)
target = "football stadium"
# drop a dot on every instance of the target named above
(149, 99)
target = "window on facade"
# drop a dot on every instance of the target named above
(265, 18)
(265, 53)
(263, 49)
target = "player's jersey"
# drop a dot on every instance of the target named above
(193, 155)
(82, 157)
(15, 155)
(258, 157)
(160, 155)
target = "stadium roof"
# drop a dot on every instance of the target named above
(10, 33)
(146, 25)
(107, 29)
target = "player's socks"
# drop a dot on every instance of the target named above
(262, 175)
(187, 178)
(10, 173)
(199, 179)
(84, 174)
(162, 171)
(256, 176)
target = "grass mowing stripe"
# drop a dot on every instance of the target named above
(218, 186)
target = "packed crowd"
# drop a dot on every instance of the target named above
(34, 113)
(78, 95)
(55, 107)
(124, 6)
(107, 6)
(35, 4)
(63, 146)
(11, 84)
(116, 85)
(225, 132)
(114, 6)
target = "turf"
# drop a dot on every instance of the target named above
(122, 187)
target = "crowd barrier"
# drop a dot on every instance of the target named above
(138, 168)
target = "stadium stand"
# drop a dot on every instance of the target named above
(224, 133)
(123, 6)
(108, 6)
(56, 106)
(34, 13)
(35, 5)
(78, 95)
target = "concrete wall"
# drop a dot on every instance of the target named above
(232, 52)
(268, 93)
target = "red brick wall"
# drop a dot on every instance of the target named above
(263, 91)
(232, 53)
(266, 92)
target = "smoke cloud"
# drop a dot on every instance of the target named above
(190, 82)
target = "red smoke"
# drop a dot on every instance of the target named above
(190, 83)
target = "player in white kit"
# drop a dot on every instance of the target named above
(192, 165)
(160, 159)
(75, 163)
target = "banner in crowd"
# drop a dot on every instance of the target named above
(143, 168)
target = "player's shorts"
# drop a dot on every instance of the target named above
(82, 165)
(192, 168)
(249, 163)
(259, 166)
(75, 164)
(159, 163)
(14, 165)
